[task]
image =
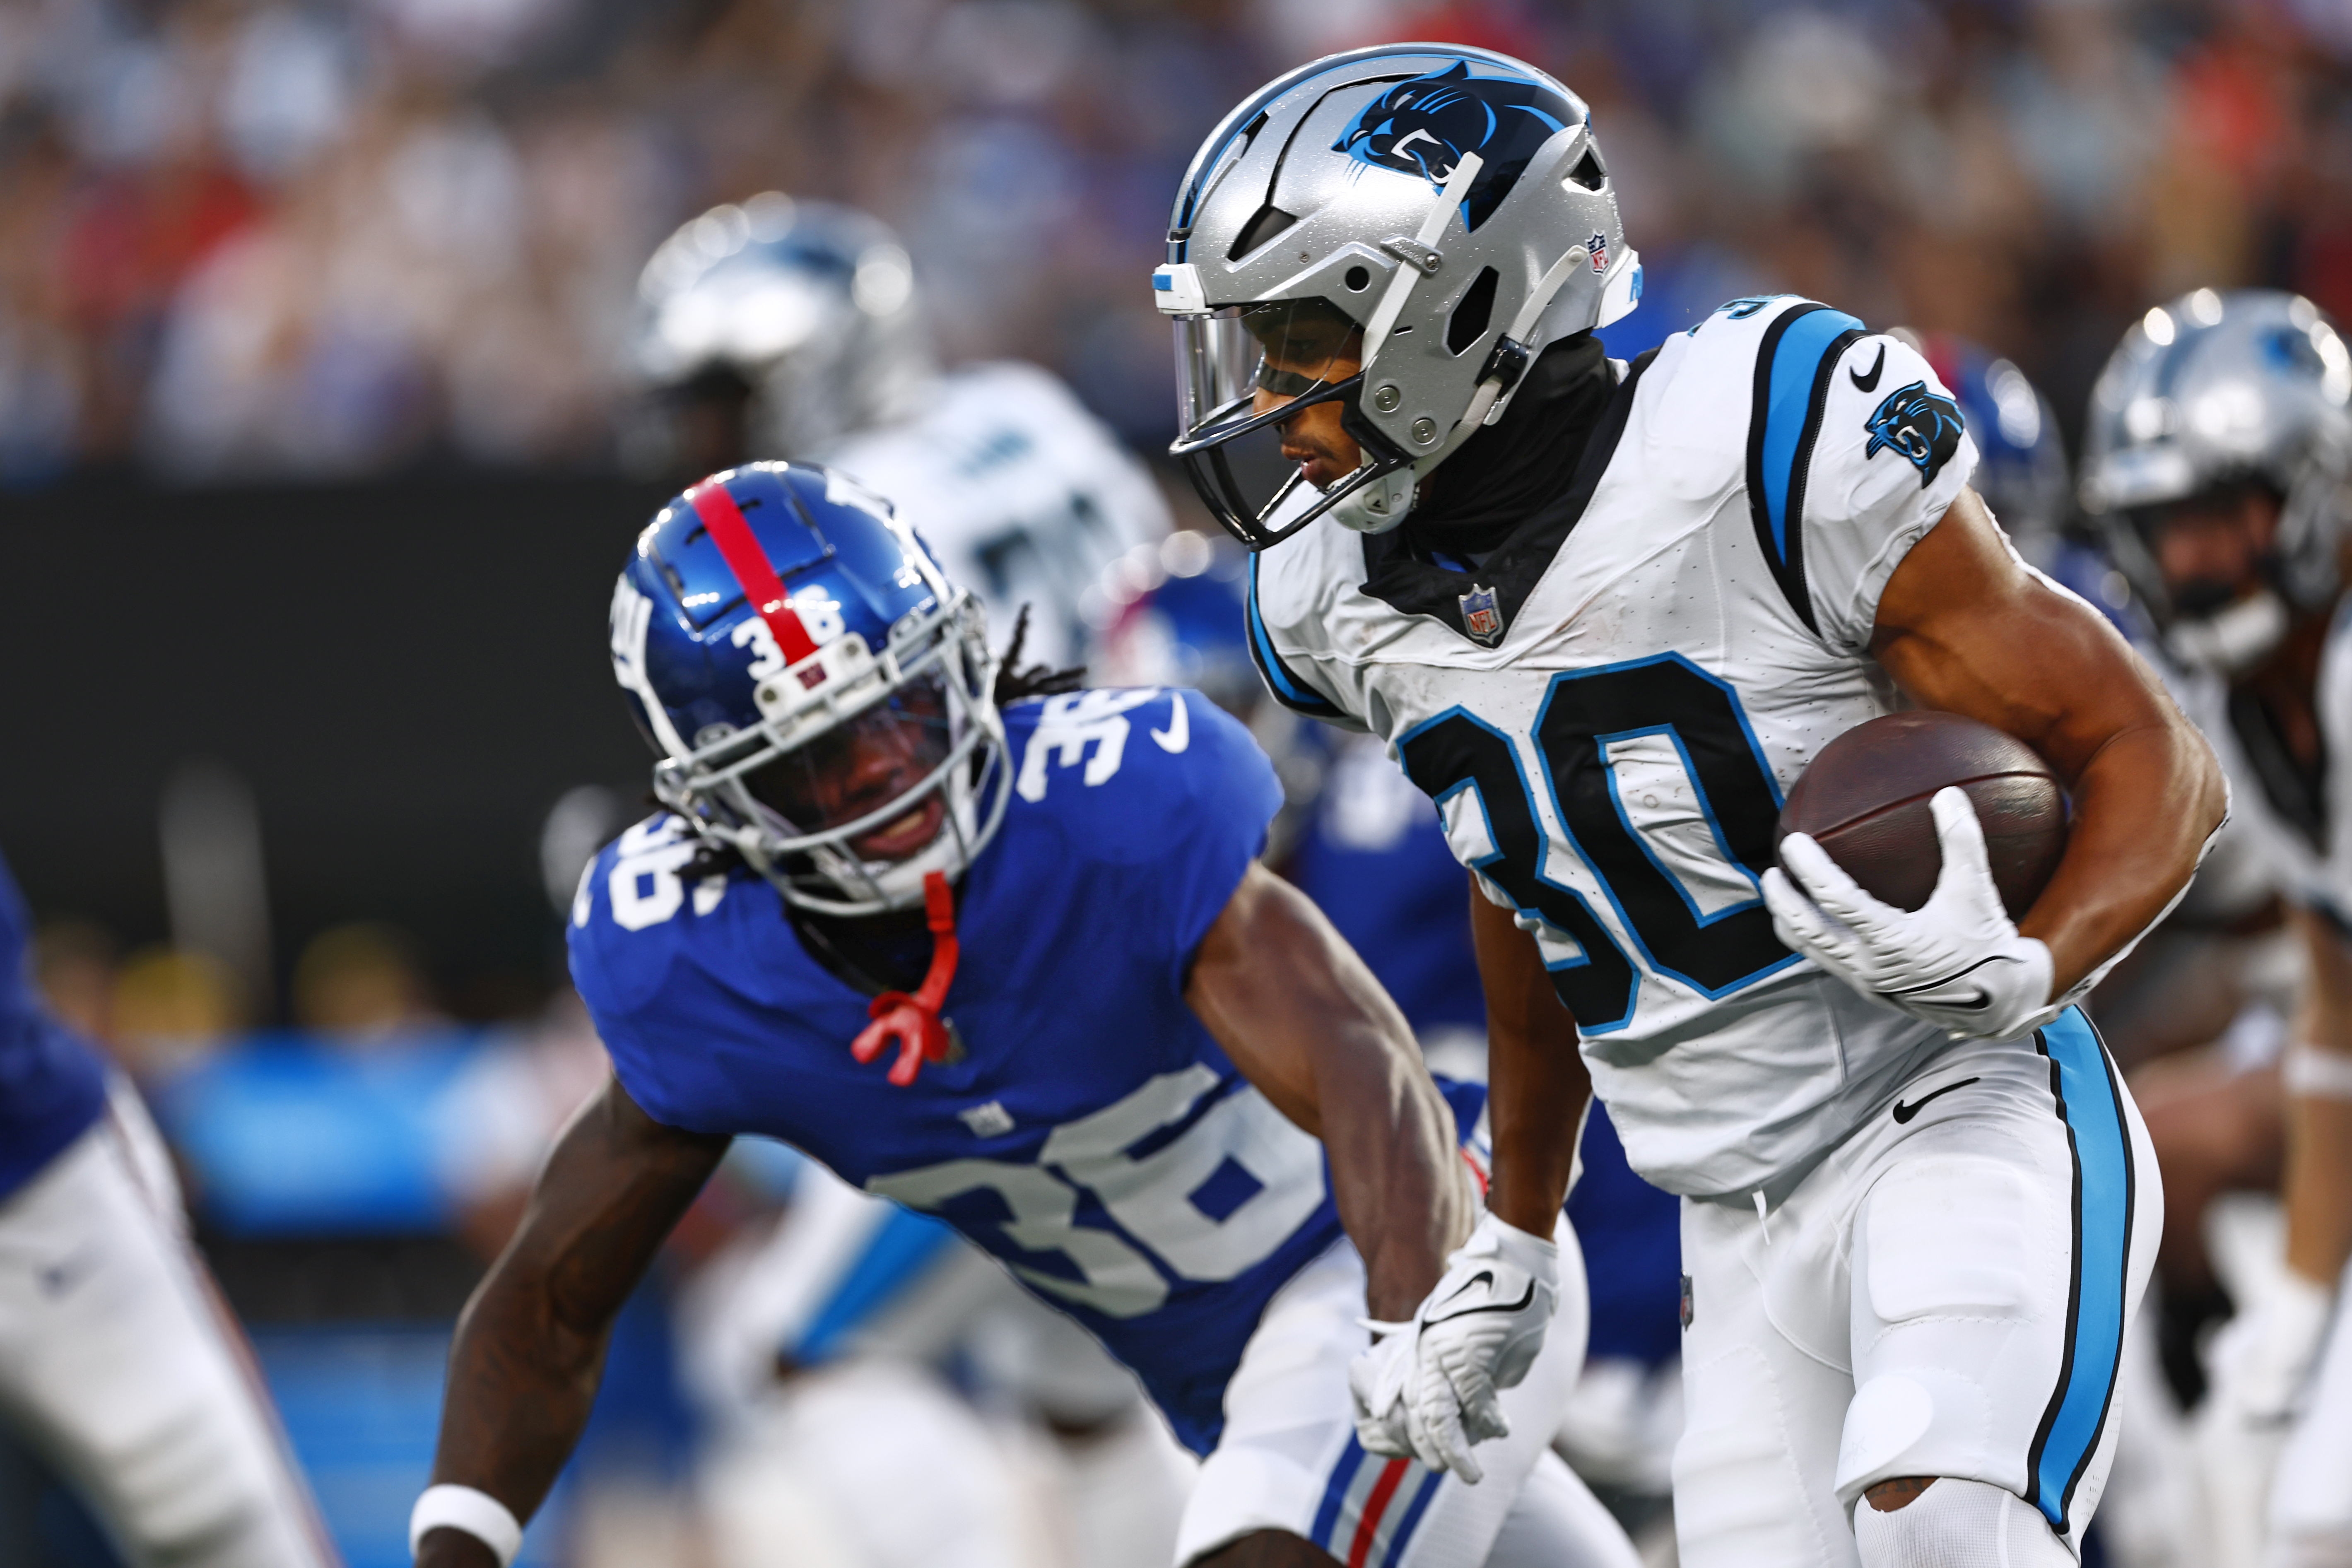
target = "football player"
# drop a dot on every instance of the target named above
(794, 329)
(1018, 967)
(2219, 455)
(1605, 615)
(118, 1363)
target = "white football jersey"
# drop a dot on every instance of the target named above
(1611, 710)
(1023, 495)
(2294, 824)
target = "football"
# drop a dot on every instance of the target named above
(1864, 800)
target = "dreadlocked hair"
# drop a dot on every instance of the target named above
(1015, 684)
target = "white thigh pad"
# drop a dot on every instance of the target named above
(1959, 1524)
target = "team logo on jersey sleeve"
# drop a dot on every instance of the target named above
(1482, 618)
(1424, 125)
(1923, 426)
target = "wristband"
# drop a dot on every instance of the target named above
(477, 1513)
(2311, 1073)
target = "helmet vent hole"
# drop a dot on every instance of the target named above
(1269, 221)
(1471, 316)
(1588, 172)
(1358, 278)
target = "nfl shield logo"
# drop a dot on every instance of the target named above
(1481, 617)
(1598, 246)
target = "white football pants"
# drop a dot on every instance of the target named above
(1945, 1294)
(120, 1367)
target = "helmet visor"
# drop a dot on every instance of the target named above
(858, 768)
(1244, 375)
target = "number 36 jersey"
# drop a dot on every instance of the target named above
(1088, 1132)
(1610, 706)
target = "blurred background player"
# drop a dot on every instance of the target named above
(2219, 450)
(118, 1363)
(794, 329)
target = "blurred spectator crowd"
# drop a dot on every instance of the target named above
(260, 238)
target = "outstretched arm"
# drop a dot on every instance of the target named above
(1963, 629)
(1537, 1082)
(1307, 1023)
(529, 1349)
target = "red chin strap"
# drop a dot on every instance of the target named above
(914, 1021)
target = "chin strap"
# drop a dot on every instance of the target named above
(914, 1021)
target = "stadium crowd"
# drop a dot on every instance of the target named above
(245, 238)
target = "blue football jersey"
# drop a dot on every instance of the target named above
(1090, 1134)
(52, 1087)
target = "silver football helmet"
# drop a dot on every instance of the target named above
(2206, 393)
(1400, 230)
(814, 305)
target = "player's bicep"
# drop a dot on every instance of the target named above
(1965, 627)
(1287, 996)
(614, 1186)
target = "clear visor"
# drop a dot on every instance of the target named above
(1247, 378)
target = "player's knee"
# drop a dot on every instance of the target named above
(1947, 1524)
(1267, 1549)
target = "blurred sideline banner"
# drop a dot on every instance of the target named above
(408, 673)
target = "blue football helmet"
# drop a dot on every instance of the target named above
(818, 692)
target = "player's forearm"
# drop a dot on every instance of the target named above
(2143, 808)
(521, 1382)
(1397, 1176)
(1537, 1081)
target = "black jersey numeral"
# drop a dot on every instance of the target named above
(1584, 713)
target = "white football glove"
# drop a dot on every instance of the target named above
(1429, 1389)
(1956, 963)
(2260, 1364)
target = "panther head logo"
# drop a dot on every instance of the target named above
(1923, 426)
(1424, 126)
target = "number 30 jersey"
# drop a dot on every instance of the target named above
(1610, 709)
(1089, 1132)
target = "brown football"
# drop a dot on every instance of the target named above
(1864, 800)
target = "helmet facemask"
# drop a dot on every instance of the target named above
(816, 796)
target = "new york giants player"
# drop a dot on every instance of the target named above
(1019, 969)
(118, 1363)
(1604, 616)
(2219, 460)
(794, 329)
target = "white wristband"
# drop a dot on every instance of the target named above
(478, 1514)
(2313, 1074)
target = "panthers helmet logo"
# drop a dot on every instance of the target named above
(1923, 426)
(1424, 126)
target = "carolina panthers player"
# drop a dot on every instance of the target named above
(117, 1362)
(794, 329)
(2219, 457)
(1017, 968)
(1606, 615)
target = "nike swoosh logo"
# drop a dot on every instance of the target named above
(1521, 1305)
(1903, 1113)
(1870, 383)
(1980, 1001)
